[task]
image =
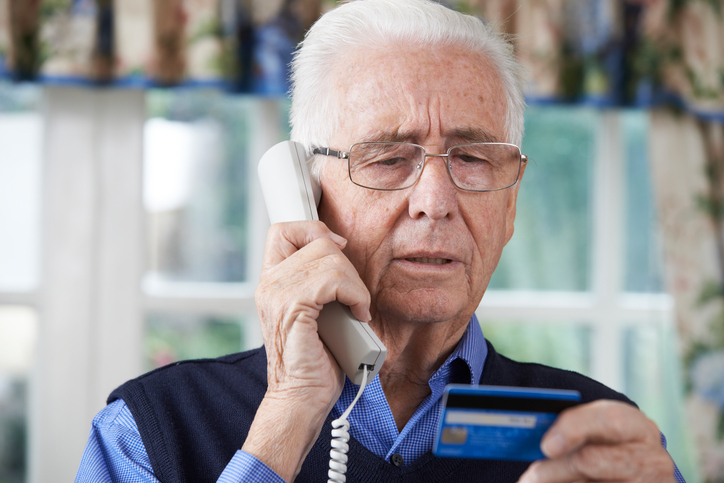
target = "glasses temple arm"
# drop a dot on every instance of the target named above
(330, 152)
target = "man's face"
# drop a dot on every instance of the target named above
(425, 253)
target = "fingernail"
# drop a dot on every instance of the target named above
(339, 240)
(529, 476)
(554, 445)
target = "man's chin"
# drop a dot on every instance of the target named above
(429, 307)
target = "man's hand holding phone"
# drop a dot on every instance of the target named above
(304, 268)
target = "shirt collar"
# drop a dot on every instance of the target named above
(472, 350)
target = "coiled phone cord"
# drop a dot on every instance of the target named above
(340, 438)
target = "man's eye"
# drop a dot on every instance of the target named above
(469, 159)
(391, 161)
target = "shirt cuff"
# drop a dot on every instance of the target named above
(244, 467)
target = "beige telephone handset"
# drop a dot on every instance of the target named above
(291, 194)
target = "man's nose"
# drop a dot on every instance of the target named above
(434, 195)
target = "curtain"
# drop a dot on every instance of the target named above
(688, 180)
(683, 44)
(242, 45)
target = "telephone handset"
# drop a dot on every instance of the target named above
(291, 194)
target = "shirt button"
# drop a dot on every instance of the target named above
(397, 460)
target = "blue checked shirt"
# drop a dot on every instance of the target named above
(115, 452)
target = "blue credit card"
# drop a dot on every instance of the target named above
(497, 422)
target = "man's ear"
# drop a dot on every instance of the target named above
(512, 201)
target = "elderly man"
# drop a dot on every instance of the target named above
(423, 108)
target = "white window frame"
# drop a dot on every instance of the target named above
(93, 296)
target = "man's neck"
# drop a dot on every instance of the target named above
(414, 353)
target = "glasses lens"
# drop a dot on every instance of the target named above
(484, 166)
(385, 166)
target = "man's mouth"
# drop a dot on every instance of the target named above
(434, 261)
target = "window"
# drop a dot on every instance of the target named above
(551, 249)
(196, 185)
(205, 222)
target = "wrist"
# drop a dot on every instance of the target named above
(283, 432)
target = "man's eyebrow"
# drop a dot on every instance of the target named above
(394, 136)
(472, 135)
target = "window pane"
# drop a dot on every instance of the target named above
(18, 334)
(172, 337)
(196, 183)
(562, 345)
(551, 246)
(652, 380)
(20, 164)
(643, 253)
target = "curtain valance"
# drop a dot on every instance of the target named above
(602, 52)
(241, 45)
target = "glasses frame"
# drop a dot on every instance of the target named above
(421, 167)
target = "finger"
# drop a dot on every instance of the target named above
(333, 277)
(313, 276)
(625, 462)
(318, 273)
(284, 239)
(535, 475)
(601, 421)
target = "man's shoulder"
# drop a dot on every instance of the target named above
(250, 361)
(248, 367)
(502, 371)
(197, 412)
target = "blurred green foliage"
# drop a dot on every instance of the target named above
(562, 345)
(174, 337)
(551, 248)
(13, 428)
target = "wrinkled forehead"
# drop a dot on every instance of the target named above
(416, 91)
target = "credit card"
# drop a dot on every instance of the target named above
(498, 422)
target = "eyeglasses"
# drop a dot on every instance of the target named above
(396, 166)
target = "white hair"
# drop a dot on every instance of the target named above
(316, 111)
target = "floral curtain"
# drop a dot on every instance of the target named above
(684, 168)
(243, 45)
(683, 52)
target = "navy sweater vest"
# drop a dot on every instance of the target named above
(194, 415)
